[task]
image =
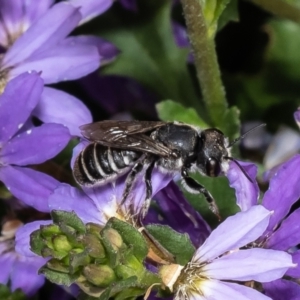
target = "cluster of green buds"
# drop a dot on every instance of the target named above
(104, 261)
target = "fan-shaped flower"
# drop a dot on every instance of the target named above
(21, 145)
(34, 37)
(219, 261)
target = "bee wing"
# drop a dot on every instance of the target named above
(126, 135)
(141, 142)
(112, 130)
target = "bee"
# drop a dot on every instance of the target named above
(118, 147)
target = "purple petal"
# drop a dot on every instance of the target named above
(179, 214)
(62, 62)
(214, 289)
(180, 34)
(22, 238)
(17, 16)
(118, 94)
(57, 23)
(31, 187)
(6, 261)
(36, 9)
(297, 117)
(295, 272)
(287, 235)
(68, 198)
(106, 198)
(129, 4)
(257, 264)
(59, 107)
(107, 50)
(282, 290)
(246, 192)
(12, 20)
(77, 150)
(89, 9)
(236, 231)
(159, 181)
(19, 98)
(284, 191)
(25, 276)
(36, 145)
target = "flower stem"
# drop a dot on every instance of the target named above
(203, 46)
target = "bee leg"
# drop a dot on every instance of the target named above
(148, 183)
(194, 187)
(137, 168)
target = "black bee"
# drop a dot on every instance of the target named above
(119, 146)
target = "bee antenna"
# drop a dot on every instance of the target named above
(241, 168)
(242, 136)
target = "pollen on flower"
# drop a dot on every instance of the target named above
(189, 282)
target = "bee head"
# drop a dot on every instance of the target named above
(212, 151)
(213, 155)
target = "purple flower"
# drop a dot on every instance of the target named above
(283, 231)
(17, 270)
(21, 144)
(246, 192)
(219, 261)
(35, 38)
(90, 9)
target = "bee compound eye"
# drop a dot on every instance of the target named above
(213, 167)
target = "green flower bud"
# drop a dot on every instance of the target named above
(99, 275)
(49, 230)
(57, 265)
(93, 228)
(114, 238)
(78, 259)
(93, 245)
(61, 243)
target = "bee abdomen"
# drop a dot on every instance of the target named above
(98, 164)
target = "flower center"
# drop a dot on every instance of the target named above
(3, 78)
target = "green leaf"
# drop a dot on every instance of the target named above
(169, 110)
(214, 9)
(58, 277)
(6, 294)
(131, 237)
(284, 50)
(231, 123)
(68, 219)
(148, 50)
(230, 13)
(176, 243)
